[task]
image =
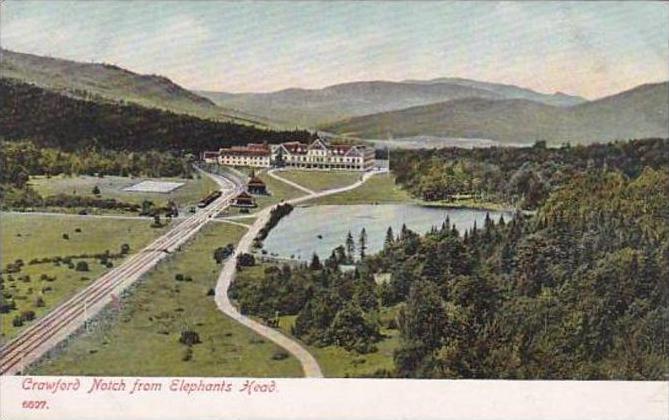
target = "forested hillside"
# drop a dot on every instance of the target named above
(577, 292)
(55, 120)
(109, 83)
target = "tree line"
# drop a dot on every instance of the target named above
(522, 177)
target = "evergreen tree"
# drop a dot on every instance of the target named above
(390, 238)
(363, 243)
(315, 263)
(424, 318)
(350, 247)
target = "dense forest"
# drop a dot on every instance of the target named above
(522, 177)
(577, 291)
(55, 120)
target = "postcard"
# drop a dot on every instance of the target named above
(334, 209)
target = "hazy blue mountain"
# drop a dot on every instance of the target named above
(510, 91)
(311, 107)
(639, 112)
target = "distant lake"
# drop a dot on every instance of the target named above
(298, 233)
(434, 142)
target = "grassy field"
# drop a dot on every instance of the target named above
(378, 189)
(142, 338)
(320, 180)
(112, 187)
(336, 362)
(29, 237)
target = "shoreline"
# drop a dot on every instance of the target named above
(472, 205)
(429, 204)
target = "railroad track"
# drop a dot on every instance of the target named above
(65, 319)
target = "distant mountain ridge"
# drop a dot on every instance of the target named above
(312, 107)
(106, 82)
(510, 91)
(636, 113)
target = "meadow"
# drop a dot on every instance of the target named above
(143, 336)
(39, 287)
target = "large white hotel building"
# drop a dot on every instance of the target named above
(320, 154)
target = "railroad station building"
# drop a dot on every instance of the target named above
(244, 200)
(256, 186)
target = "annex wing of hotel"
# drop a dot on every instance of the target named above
(320, 154)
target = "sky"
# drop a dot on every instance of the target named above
(591, 49)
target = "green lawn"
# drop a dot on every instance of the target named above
(377, 189)
(321, 180)
(336, 362)
(112, 187)
(29, 237)
(143, 338)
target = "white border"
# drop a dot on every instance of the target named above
(344, 398)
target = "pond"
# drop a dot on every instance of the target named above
(320, 229)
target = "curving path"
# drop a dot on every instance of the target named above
(227, 275)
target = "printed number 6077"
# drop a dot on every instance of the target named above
(35, 405)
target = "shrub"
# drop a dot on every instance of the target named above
(211, 292)
(17, 321)
(189, 338)
(280, 355)
(246, 260)
(96, 190)
(125, 249)
(82, 266)
(39, 302)
(66, 236)
(78, 230)
(7, 305)
(28, 315)
(179, 277)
